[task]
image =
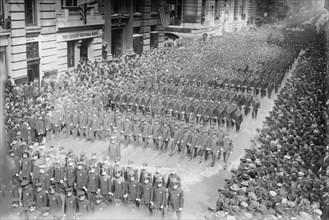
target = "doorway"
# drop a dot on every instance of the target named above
(117, 44)
(33, 71)
(84, 49)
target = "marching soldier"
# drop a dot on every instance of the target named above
(128, 130)
(227, 149)
(146, 133)
(185, 142)
(70, 174)
(165, 135)
(26, 166)
(114, 150)
(177, 136)
(156, 133)
(238, 119)
(255, 107)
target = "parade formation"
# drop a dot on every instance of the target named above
(185, 99)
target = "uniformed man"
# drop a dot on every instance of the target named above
(175, 199)
(81, 179)
(177, 136)
(118, 186)
(40, 196)
(33, 213)
(238, 119)
(44, 177)
(156, 133)
(132, 190)
(146, 133)
(128, 130)
(54, 202)
(84, 206)
(105, 185)
(26, 167)
(70, 174)
(255, 107)
(17, 210)
(27, 194)
(92, 184)
(146, 195)
(114, 150)
(45, 214)
(165, 136)
(159, 198)
(70, 204)
(227, 149)
(99, 205)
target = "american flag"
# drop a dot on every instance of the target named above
(164, 15)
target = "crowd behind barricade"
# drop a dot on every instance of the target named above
(286, 177)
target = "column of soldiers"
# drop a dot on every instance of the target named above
(47, 184)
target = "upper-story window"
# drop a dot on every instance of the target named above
(30, 12)
(69, 3)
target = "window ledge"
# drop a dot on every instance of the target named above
(4, 32)
(138, 14)
(33, 29)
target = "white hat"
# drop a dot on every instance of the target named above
(318, 212)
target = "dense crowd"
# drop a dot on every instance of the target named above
(182, 99)
(286, 177)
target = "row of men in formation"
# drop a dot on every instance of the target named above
(72, 186)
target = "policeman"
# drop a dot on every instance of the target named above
(54, 202)
(27, 194)
(177, 136)
(118, 186)
(99, 206)
(33, 213)
(146, 133)
(132, 190)
(16, 209)
(227, 149)
(165, 135)
(40, 196)
(44, 178)
(26, 166)
(105, 185)
(155, 133)
(159, 198)
(92, 184)
(70, 174)
(146, 195)
(128, 130)
(84, 206)
(70, 204)
(81, 179)
(175, 199)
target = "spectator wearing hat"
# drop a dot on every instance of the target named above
(40, 196)
(54, 202)
(27, 194)
(70, 204)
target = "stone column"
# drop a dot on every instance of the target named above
(107, 33)
(130, 30)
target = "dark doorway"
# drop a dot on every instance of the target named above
(116, 44)
(33, 70)
(84, 49)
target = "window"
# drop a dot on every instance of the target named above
(115, 7)
(32, 51)
(2, 14)
(69, 3)
(70, 53)
(154, 6)
(30, 12)
(137, 6)
(236, 8)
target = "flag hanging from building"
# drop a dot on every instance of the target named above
(164, 15)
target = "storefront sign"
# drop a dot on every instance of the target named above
(80, 35)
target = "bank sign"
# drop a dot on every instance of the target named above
(79, 35)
